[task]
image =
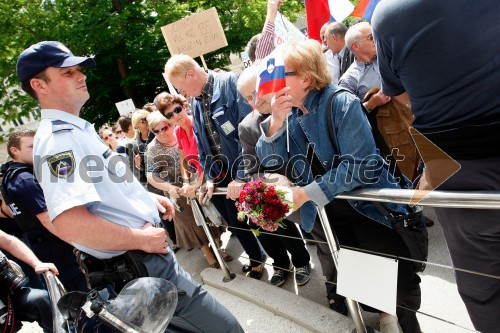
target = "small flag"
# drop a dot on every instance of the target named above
(365, 9)
(271, 75)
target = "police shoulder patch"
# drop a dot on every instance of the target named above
(62, 165)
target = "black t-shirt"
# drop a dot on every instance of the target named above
(446, 55)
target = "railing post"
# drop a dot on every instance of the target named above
(198, 215)
(353, 306)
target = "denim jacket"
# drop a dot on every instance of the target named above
(357, 164)
(227, 109)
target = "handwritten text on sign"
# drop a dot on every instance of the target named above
(195, 35)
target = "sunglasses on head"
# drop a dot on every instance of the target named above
(177, 110)
(163, 129)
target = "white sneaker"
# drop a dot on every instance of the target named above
(389, 324)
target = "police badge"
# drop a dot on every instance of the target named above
(62, 165)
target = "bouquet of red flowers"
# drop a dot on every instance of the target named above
(265, 205)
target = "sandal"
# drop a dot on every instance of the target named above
(226, 256)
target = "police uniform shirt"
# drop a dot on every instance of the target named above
(74, 167)
(24, 188)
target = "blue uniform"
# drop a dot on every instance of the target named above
(74, 167)
(27, 201)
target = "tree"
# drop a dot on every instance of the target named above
(125, 39)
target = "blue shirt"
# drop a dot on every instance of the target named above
(24, 188)
(227, 109)
(361, 77)
(75, 168)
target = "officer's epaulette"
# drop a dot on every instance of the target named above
(59, 125)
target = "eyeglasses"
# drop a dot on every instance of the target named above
(369, 37)
(177, 110)
(119, 132)
(163, 129)
(143, 120)
(290, 73)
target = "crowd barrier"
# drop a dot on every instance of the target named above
(475, 200)
(448, 199)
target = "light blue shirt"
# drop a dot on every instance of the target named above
(74, 167)
(361, 77)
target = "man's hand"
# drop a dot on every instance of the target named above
(156, 239)
(206, 192)
(43, 267)
(164, 205)
(173, 191)
(377, 100)
(234, 188)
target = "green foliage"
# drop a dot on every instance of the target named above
(125, 39)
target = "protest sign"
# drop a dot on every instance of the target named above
(125, 107)
(196, 34)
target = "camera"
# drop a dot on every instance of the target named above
(9, 278)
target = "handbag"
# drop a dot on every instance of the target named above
(410, 227)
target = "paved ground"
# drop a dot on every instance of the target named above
(261, 307)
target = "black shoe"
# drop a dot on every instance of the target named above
(247, 267)
(428, 222)
(279, 276)
(339, 307)
(257, 274)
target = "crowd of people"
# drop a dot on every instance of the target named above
(68, 188)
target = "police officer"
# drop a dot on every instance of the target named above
(25, 200)
(93, 200)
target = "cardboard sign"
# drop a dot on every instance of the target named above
(125, 107)
(196, 34)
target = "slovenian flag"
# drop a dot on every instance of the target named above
(365, 9)
(271, 75)
(319, 12)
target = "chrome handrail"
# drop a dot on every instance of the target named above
(446, 199)
(56, 290)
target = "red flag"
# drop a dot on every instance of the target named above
(318, 13)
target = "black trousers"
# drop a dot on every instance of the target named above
(473, 238)
(355, 230)
(277, 247)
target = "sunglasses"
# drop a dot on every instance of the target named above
(143, 120)
(107, 137)
(119, 132)
(177, 110)
(163, 129)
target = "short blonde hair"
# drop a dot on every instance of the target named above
(137, 115)
(179, 64)
(306, 58)
(155, 118)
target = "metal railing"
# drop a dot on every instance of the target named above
(446, 199)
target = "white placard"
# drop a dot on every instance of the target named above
(246, 59)
(284, 31)
(125, 107)
(368, 279)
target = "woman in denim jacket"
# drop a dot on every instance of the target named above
(296, 127)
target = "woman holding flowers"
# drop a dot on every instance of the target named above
(297, 129)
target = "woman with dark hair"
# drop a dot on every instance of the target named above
(163, 172)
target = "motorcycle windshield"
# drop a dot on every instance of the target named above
(145, 304)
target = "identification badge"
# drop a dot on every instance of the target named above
(62, 165)
(227, 127)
